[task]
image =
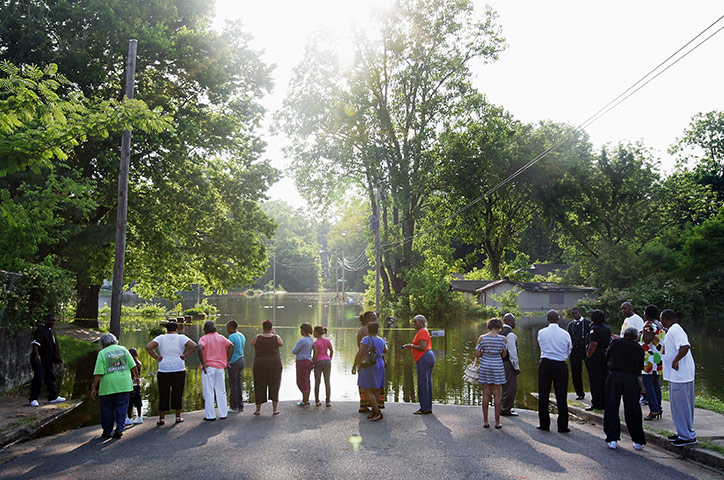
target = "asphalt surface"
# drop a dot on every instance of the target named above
(315, 443)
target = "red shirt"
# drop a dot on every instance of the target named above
(422, 334)
(214, 350)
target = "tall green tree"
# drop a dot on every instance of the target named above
(377, 120)
(701, 149)
(194, 193)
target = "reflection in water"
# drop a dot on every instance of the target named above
(453, 352)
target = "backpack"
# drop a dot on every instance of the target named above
(369, 357)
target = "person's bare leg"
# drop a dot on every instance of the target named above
(497, 398)
(372, 398)
(161, 415)
(486, 401)
(274, 407)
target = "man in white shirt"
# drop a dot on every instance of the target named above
(512, 368)
(630, 319)
(555, 346)
(679, 372)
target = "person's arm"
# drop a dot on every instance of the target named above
(190, 345)
(683, 350)
(358, 357)
(478, 351)
(229, 352)
(280, 342)
(200, 349)
(315, 352)
(591, 349)
(505, 349)
(253, 340)
(513, 354)
(421, 347)
(297, 346)
(36, 352)
(94, 387)
(330, 350)
(151, 349)
(641, 385)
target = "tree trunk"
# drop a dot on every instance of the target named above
(86, 310)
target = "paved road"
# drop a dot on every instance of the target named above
(314, 443)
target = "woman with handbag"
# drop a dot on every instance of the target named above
(491, 349)
(372, 367)
(424, 357)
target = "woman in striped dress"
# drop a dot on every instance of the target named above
(492, 347)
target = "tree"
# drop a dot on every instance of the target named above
(193, 203)
(294, 247)
(378, 121)
(702, 147)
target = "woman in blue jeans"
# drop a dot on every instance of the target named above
(424, 357)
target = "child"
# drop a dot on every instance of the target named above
(322, 360)
(135, 398)
(303, 351)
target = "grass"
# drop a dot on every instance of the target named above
(702, 401)
(73, 349)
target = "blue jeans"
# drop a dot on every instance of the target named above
(424, 380)
(653, 392)
(113, 410)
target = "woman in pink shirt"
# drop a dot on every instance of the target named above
(322, 359)
(214, 354)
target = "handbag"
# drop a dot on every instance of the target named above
(470, 374)
(369, 357)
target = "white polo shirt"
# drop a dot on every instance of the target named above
(555, 343)
(633, 321)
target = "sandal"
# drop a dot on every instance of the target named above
(498, 426)
(179, 419)
(486, 425)
(257, 413)
(329, 404)
(317, 403)
(377, 417)
(369, 417)
(160, 422)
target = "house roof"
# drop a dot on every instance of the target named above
(545, 268)
(468, 286)
(537, 286)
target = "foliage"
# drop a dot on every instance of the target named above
(193, 195)
(508, 302)
(73, 349)
(203, 307)
(37, 125)
(378, 120)
(294, 248)
(156, 330)
(145, 310)
(42, 289)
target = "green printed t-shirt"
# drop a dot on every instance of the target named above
(114, 363)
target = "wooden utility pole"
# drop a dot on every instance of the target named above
(379, 253)
(122, 214)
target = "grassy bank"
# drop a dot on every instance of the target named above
(72, 349)
(702, 401)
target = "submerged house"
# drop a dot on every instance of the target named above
(535, 296)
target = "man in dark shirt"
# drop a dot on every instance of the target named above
(598, 339)
(579, 329)
(44, 356)
(625, 358)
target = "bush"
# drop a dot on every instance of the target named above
(203, 307)
(42, 289)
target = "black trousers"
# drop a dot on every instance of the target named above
(623, 384)
(43, 372)
(597, 375)
(171, 386)
(556, 373)
(577, 359)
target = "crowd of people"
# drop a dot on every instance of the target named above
(620, 366)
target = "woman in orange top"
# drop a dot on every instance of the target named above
(424, 357)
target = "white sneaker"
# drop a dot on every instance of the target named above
(34, 403)
(129, 421)
(638, 446)
(57, 400)
(138, 420)
(613, 445)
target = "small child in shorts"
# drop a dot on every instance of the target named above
(135, 397)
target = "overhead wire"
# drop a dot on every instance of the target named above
(623, 96)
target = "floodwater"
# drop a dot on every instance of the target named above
(454, 351)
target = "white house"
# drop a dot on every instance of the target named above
(535, 296)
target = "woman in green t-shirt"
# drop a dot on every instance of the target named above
(114, 365)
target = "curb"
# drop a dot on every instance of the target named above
(698, 454)
(30, 431)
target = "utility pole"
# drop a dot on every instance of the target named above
(343, 275)
(122, 213)
(379, 253)
(274, 288)
(336, 275)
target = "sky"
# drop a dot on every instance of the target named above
(564, 61)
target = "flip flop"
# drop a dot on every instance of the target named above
(160, 422)
(257, 413)
(179, 419)
(498, 426)
(377, 418)
(275, 413)
(486, 426)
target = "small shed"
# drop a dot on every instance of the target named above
(535, 296)
(468, 286)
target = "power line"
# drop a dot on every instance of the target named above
(623, 96)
